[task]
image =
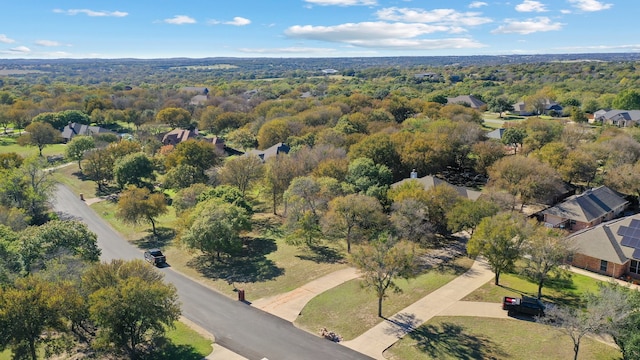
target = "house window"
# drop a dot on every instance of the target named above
(603, 265)
(634, 267)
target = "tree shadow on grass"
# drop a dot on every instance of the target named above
(162, 239)
(170, 351)
(322, 254)
(250, 265)
(448, 340)
(270, 226)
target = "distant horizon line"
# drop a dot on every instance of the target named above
(324, 57)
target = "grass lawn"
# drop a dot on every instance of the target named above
(72, 177)
(485, 338)
(9, 144)
(350, 310)
(566, 291)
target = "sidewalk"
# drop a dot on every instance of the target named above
(289, 305)
(380, 337)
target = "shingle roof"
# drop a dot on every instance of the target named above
(74, 129)
(272, 151)
(603, 242)
(430, 181)
(588, 206)
(473, 101)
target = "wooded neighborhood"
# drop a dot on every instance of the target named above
(262, 179)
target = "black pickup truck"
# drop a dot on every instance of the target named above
(525, 305)
(155, 257)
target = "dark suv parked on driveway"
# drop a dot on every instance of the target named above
(155, 257)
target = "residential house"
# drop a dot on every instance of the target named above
(279, 148)
(222, 147)
(430, 181)
(428, 76)
(550, 107)
(620, 118)
(176, 136)
(496, 134)
(201, 94)
(585, 210)
(611, 248)
(470, 100)
(74, 129)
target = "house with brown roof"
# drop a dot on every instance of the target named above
(430, 181)
(176, 136)
(469, 100)
(585, 210)
(611, 248)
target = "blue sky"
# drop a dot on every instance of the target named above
(314, 28)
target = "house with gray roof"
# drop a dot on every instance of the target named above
(520, 108)
(620, 118)
(430, 181)
(74, 129)
(470, 100)
(279, 148)
(610, 248)
(586, 210)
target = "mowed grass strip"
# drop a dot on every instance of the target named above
(72, 177)
(350, 309)
(565, 291)
(485, 338)
(10, 144)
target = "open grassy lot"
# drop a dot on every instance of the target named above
(72, 177)
(566, 291)
(9, 144)
(268, 265)
(484, 338)
(350, 310)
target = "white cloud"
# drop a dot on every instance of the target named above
(288, 50)
(590, 5)
(180, 20)
(5, 40)
(47, 43)
(382, 35)
(565, 11)
(477, 4)
(529, 26)
(342, 2)
(239, 21)
(603, 48)
(91, 12)
(531, 6)
(20, 49)
(438, 16)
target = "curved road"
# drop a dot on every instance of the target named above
(243, 329)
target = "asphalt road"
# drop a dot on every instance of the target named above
(247, 331)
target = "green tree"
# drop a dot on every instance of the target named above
(40, 244)
(137, 205)
(130, 310)
(514, 136)
(485, 153)
(500, 105)
(602, 314)
(279, 172)
(174, 117)
(77, 147)
(369, 178)
(30, 311)
(547, 250)
(200, 154)
(499, 240)
(439, 199)
(466, 214)
(99, 167)
(182, 176)
(187, 198)
(379, 148)
(241, 171)
(40, 135)
(353, 217)
(383, 262)
(244, 138)
(627, 100)
(216, 227)
(410, 219)
(28, 188)
(134, 169)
